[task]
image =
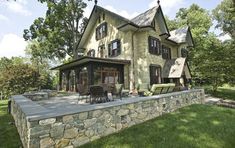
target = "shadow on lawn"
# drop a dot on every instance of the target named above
(194, 126)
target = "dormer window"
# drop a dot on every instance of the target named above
(166, 52)
(91, 53)
(101, 31)
(115, 48)
(154, 45)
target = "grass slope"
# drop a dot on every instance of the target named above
(195, 126)
(9, 137)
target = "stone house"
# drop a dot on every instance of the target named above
(128, 51)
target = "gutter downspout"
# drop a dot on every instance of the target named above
(133, 60)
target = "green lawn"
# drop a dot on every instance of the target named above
(9, 137)
(222, 92)
(195, 126)
(225, 93)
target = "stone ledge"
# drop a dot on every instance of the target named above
(34, 111)
(28, 106)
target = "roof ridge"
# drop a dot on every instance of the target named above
(145, 12)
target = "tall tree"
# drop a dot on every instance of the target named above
(224, 14)
(59, 32)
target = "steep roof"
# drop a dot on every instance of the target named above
(146, 18)
(173, 68)
(181, 35)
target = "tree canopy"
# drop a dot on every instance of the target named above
(224, 14)
(210, 60)
(59, 32)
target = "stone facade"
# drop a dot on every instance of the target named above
(142, 59)
(75, 127)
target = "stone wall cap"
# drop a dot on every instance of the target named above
(34, 111)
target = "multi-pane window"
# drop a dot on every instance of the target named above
(184, 52)
(155, 74)
(101, 31)
(154, 45)
(114, 48)
(101, 50)
(91, 53)
(166, 52)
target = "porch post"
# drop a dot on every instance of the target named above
(60, 80)
(67, 80)
(90, 74)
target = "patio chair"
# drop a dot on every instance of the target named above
(142, 88)
(118, 90)
(97, 94)
(83, 92)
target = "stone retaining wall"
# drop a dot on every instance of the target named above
(76, 126)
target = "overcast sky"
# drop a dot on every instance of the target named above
(15, 16)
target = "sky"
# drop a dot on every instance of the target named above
(15, 16)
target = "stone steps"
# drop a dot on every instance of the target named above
(226, 103)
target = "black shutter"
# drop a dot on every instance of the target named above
(106, 29)
(118, 47)
(109, 50)
(150, 47)
(96, 33)
(169, 53)
(160, 48)
(152, 76)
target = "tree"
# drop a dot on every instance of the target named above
(41, 64)
(210, 59)
(17, 77)
(224, 14)
(59, 32)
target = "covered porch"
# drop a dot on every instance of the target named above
(80, 74)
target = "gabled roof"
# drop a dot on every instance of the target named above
(143, 20)
(146, 18)
(182, 35)
(173, 68)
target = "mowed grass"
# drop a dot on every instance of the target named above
(9, 137)
(225, 93)
(196, 126)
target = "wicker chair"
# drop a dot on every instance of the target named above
(97, 94)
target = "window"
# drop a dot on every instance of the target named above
(91, 53)
(184, 52)
(114, 48)
(154, 46)
(101, 31)
(106, 75)
(101, 50)
(155, 74)
(166, 52)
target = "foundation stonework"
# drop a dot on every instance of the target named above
(73, 126)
